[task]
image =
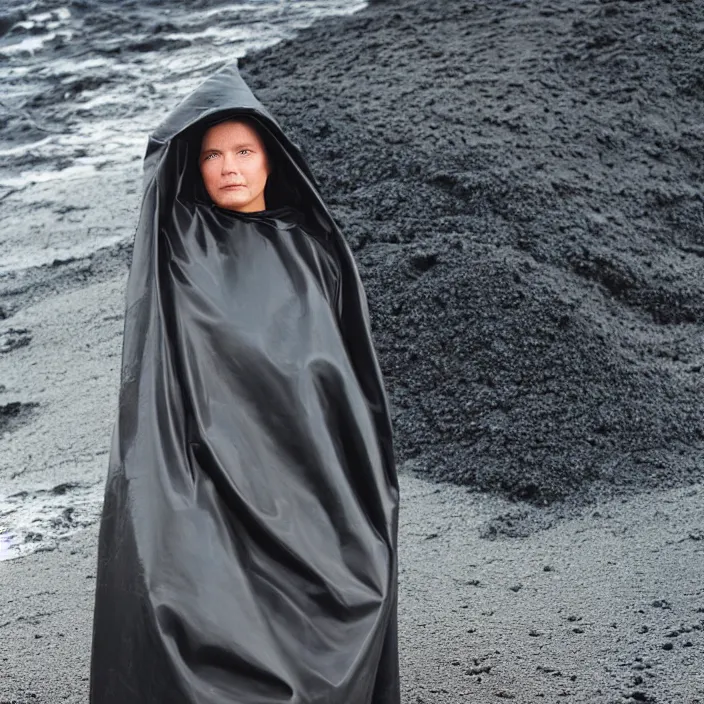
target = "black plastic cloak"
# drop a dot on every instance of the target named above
(247, 549)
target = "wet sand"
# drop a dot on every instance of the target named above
(521, 183)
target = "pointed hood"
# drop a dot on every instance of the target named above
(225, 95)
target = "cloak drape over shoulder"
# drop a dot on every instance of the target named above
(247, 550)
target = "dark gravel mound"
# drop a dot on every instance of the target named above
(521, 182)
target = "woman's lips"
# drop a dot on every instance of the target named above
(232, 186)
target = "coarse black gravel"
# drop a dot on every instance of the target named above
(521, 183)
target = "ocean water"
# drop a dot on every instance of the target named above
(82, 83)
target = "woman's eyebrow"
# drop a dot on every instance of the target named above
(234, 146)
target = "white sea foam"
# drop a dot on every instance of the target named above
(40, 518)
(27, 177)
(24, 148)
(29, 44)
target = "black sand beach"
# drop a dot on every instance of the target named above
(521, 184)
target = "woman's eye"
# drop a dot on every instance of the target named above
(243, 150)
(208, 157)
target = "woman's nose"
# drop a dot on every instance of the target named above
(229, 164)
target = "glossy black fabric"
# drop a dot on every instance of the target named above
(247, 548)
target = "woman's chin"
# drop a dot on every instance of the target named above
(243, 202)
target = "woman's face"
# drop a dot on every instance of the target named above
(234, 166)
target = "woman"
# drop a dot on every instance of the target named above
(247, 547)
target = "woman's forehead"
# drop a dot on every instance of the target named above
(231, 130)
